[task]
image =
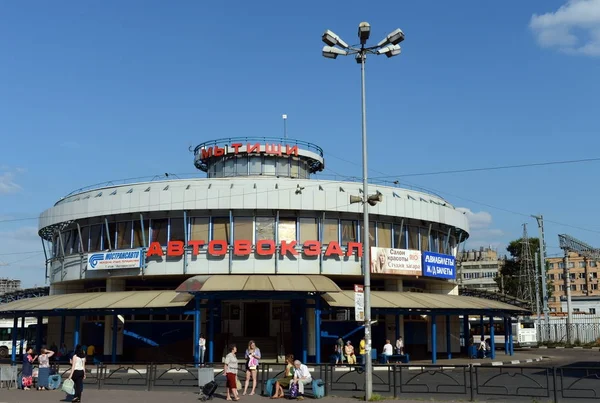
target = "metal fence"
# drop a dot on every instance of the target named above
(582, 333)
(457, 382)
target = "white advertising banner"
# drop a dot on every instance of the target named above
(404, 262)
(123, 259)
(359, 303)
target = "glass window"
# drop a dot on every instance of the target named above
(229, 167)
(571, 265)
(85, 238)
(159, 230)
(265, 228)
(269, 166)
(255, 164)
(399, 237)
(592, 264)
(242, 165)
(67, 241)
(177, 230)
(218, 169)
(413, 237)
(75, 243)
(138, 236)
(242, 229)
(199, 230)
(295, 168)
(221, 229)
(349, 231)
(330, 230)
(443, 242)
(308, 229)
(95, 237)
(283, 167)
(108, 236)
(286, 230)
(424, 238)
(581, 265)
(384, 235)
(435, 242)
(372, 233)
(124, 235)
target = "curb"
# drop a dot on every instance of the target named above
(513, 362)
(568, 348)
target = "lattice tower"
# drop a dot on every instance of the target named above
(526, 271)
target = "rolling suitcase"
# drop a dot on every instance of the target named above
(271, 387)
(208, 391)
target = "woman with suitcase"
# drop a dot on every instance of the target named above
(284, 382)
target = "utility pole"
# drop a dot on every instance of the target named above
(284, 126)
(567, 277)
(546, 310)
(537, 292)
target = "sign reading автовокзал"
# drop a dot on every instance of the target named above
(438, 265)
(123, 259)
(405, 262)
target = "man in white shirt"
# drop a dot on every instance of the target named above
(202, 351)
(482, 346)
(388, 351)
(301, 377)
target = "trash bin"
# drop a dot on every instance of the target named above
(205, 375)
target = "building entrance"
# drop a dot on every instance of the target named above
(257, 319)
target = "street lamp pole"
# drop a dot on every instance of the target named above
(389, 47)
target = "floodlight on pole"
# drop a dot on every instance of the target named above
(389, 47)
(331, 53)
(331, 39)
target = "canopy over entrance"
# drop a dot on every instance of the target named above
(96, 301)
(423, 302)
(258, 283)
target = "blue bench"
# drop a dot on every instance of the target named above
(394, 358)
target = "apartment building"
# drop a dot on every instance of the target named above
(9, 285)
(584, 279)
(479, 268)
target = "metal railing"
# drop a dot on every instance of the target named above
(467, 382)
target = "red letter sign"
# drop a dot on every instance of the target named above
(154, 249)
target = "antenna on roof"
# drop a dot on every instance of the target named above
(284, 126)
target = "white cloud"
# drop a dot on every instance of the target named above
(7, 183)
(481, 231)
(574, 28)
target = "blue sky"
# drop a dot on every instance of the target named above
(101, 90)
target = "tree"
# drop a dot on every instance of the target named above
(509, 280)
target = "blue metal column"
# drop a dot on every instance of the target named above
(14, 339)
(318, 328)
(115, 327)
(397, 328)
(492, 341)
(62, 331)
(448, 338)
(38, 334)
(433, 339)
(481, 323)
(197, 324)
(466, 332)
(23, 336)
(76, 331)
(304, 324)
(510, 337)
(506, 348)
(211, 330)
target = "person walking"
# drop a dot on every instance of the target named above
(44, 370)
(340, 350)
(252, 356)
(202, 352)
(27, 372)
(302, 377)
(77, 374)
(284, 382)
(231, 368)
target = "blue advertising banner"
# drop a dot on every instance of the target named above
(438, 265)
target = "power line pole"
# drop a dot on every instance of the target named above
(567, 276)
(525, 270)
(284, 126)
(545, 309)
(537, 292)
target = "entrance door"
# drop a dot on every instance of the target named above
(256, 319)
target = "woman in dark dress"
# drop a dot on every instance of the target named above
(27, 374)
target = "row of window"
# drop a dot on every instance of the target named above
(582, 287)
(132, 234)
(573, 276)
(581, 265)
(487, 274)
(591, 310)
(242, 165)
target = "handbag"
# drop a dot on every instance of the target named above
(68, 387)
(294, 390)
(238, 384)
